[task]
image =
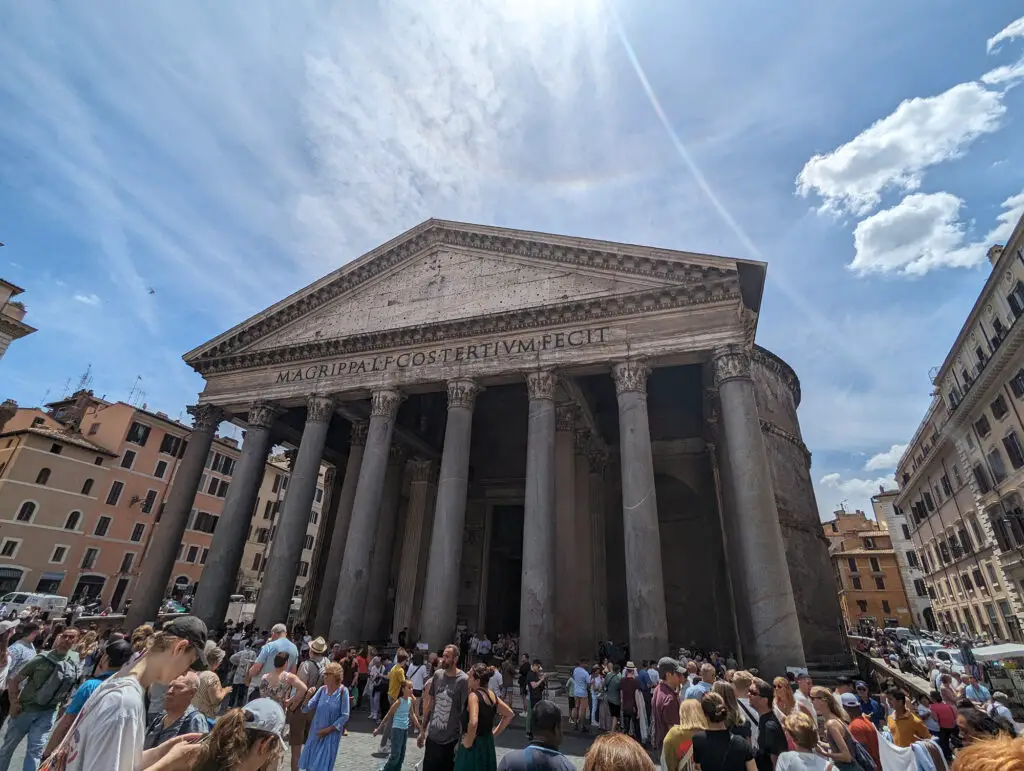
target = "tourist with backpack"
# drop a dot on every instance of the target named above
(41, 686)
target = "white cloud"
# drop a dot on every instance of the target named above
(887, 459)
(895, 150)
(1013, 30)
(924, 232)
(855, 488)
(88, 299)
(1007, 74)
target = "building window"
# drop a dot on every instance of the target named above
(998, 407)
(98, 461)
(102, 525)
(28, 508)
(928, 502)
(149, 501)
(1014, 449)
(319, 494)
(869, 543)
(1015, 299)
(89, 558)
(277, 483)
(906, 532)
(71, 523)
(995, 462)
(115, 493)
(222, 489)
(128, 459)
(193, 552)
(87, 487)
(879, 582)
(874, 565)
(957, 478)
(94, 428)
(852, 561)
(43, 476)
(60, 553)
(268, 510)
(212, 489)
(205, 522)
(313, 517)
(862, 605)
(992, 576)
(256, 561)
(981, 478)
(138, 434)
(9, 547)
(885, 606)
(979, 579)
(919, 588)
(855, 580)
(126, 562)
(966, 581)
(912, 558)
(170, 445)
(56, 449)
(203, 556)
(981, 425)
(303, 569)
(309, 542)
(161, 469)
(138, 531)
(262, 535)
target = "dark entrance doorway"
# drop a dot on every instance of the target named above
(505, 571)
(119, 590)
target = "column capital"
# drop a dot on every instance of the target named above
(565, 416)
(357, 434)
(631, 375)
(319, 408)
(205, 417)
(421, 469)
(384, 402)
(262, 414)
(462, 392)
(730, 362)
(541, 384)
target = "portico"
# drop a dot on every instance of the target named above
(570, 439)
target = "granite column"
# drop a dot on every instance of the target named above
(406, 607)
(322, 547)
(769, 627)
(597, 462)
(353, 582)
(228, 544)
(383, 545)
(536, 610)
(583, 580)
(566, 605)
(168, 532)
(336, 550)
(645, 584)
(275, 596)
(441, 591)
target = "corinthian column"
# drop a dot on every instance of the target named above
(645, 583)
(167, 535)
(336, 550)
(350, 602)
(566, 600)
(583, 577)
(384, 545)
(766, 610)
(228, 545)
(406, 608)
(537, 604)
(441, 592)
(286, 551)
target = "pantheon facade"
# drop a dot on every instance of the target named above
(570, 439)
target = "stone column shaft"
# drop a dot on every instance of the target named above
(537, 603)
(282, 568)
(327, 593)
(353, 583)
(227, 547)
(441, 591)
(383, 547)
(566, 598)
(167, 535)
(321, 549)
(422, 473)
(770, 630)
(645, 586)
(586, 643)
(597, 461)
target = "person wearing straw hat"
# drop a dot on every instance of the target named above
(311, 672)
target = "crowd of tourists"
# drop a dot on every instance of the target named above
(177, 698)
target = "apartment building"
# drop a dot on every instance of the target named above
(960, 479)
(866, 571)
(906, 557)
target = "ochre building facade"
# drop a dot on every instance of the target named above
(567, 438)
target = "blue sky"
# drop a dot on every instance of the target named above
(227, 154)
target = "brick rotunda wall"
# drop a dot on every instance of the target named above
(777, 390)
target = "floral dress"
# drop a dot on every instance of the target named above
(279, 692)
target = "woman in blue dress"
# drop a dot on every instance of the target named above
(331, 705)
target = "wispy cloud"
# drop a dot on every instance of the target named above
(887, 459)
(857, 489)
(1012, 31)
(1007, 74)
(87, 299)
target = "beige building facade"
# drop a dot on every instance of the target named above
(914, 578)
(961, 477)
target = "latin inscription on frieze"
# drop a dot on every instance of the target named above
(498, 348)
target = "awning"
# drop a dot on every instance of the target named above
(995, 652)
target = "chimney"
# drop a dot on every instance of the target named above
(994, 253)
(7, 411)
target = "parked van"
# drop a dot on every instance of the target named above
(13, 603)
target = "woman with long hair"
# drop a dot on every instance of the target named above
(616, 752)
(784, 702)
(330, 707)
(677, 749)
(833, 730)
(735, 721)
(478, 728)
(716, 749)
(211, 693)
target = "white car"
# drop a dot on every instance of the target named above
(921, 651)
(15, 602)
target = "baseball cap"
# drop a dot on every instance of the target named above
(668, 665)
(267, 716)
(194, 630)
(849, 700)
(860, 684)
(7, 626)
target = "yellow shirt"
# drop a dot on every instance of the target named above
(395, 679)
(907, 729)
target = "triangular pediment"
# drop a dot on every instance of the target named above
(443, 273)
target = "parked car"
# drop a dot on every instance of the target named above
(15, 602)
(920, 651)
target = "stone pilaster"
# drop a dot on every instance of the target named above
(441, 591)
(227, 547)
(168, 532)
(350, 602)
(275, 596)
(421, 480)
(537, 608)
(326, 593)
(566, 569)
(763, 594)
(645, 587)
(384, 546)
